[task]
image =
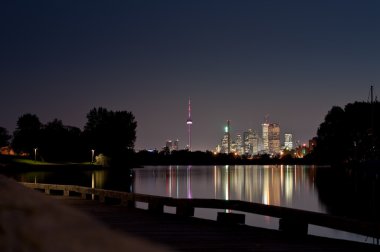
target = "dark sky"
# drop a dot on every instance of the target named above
(237, 60)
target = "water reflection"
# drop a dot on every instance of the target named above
(102, 179)
(291, 186)
(339, 192)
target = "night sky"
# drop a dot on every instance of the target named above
(237, 60)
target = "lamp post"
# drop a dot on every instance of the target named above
(35, 154)
(92, 156)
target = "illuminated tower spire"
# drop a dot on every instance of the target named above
(189, 122)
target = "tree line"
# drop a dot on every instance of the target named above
(111, 133)
(347, 135)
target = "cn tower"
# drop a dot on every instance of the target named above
(189, 122)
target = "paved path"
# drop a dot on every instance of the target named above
(33, 222)
(192, 234)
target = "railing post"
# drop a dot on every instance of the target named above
(66, 192)
(128, 201)
(231, 218)
(185, 210)
(47, 191)
(293, 226)
(156, 207)
(102, 198)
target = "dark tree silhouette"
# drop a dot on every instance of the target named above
(60, 142)
(26, 137)
(332, 136)
(111, 133)
(349, 134)
(4, 137)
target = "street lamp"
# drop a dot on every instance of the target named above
(35, 154)
(92, 155)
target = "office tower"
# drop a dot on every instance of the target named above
(274, 138)
(176, 145)
(239, 145)
(189, 122)
(233, 147)
(265, 129)
(254, 140)
(224, 144)
(226, 141)
(247, 145)
(260, 148)
(169, 145)
(218, 149)
(251, 142)
(288, 144)
(229, 136)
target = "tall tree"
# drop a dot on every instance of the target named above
(60, 142)
(109, 132)
(4, 137)
(53, 137)
(350, 134)
(332, 136)
(26, 137)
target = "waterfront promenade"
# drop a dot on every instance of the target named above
(193, 234)
(32, 221)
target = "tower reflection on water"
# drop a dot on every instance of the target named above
(312, 188)
(291, 186)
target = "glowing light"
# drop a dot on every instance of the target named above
(189, 122)
(226, 129)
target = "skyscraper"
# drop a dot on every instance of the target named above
(228, 131)
(172, 146)
(254, 139)
(265, 129)
(169, 145)
(176, 145)
(239, 145)
(246, 142)
(226, 141)
(274, 138)
(189, 122)
(288, 144)
(224, 144)
(251, 142)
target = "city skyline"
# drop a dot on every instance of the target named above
(237, 60)
(253, 142)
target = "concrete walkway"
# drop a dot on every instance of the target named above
(31, 221)
(193, 234)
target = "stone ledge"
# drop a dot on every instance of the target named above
(29, 221)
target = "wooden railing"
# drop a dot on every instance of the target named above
(291, 220)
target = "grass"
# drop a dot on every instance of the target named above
(31, 162)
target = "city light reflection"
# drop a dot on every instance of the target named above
(273, 185)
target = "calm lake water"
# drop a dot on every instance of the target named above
(312, 188)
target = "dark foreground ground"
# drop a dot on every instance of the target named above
(192, 234)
